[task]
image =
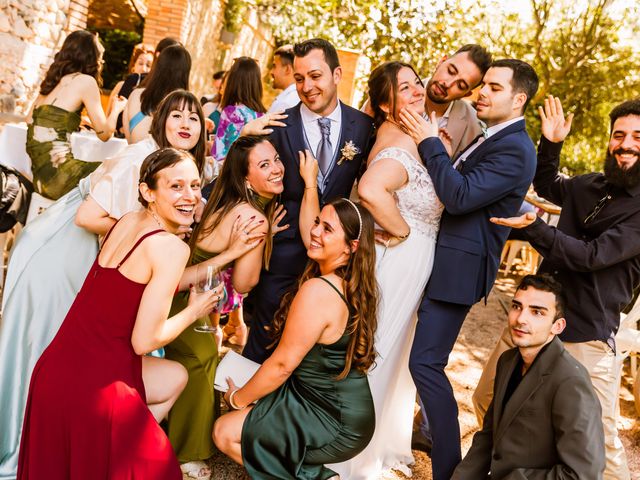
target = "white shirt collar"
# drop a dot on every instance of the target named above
(308, 116)
(289, 89)
(501, 126)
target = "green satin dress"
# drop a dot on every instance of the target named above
(311, 420)
(190, 422)
(55, 170)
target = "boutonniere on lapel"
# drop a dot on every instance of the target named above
(348, 152)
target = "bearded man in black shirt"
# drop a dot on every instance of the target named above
(594, 253)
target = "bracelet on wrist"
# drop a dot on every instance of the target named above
(404, 237)
(232, 403)
(314, 186)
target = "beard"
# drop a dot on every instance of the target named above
(432, 96)
(618, 176)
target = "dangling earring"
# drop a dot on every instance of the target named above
(250, 192)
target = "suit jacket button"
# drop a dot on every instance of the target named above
(497, 457)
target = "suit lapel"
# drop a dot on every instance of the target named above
(476, 155)
(456, 124)
(346, 134)
(295, 134)
(531, 382)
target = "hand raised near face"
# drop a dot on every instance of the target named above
(555, 127)
(262, 125)
(308, 169)
(417, 127)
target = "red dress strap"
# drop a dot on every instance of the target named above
(148, 234)
(108, 233)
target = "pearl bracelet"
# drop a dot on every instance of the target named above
(232, 403)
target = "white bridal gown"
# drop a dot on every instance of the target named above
(402, 273)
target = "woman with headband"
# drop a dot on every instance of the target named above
(313, 405)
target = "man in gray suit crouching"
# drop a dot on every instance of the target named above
(544, 421)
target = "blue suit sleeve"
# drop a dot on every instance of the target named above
(488, 181)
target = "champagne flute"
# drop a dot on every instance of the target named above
(212, 279)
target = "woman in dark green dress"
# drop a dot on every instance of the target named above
(71, 83)
(313, 405)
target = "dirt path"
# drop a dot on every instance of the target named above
(477, 339)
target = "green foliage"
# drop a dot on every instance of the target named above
(578, 54)
(575, 47)
(233, 15)
(118, 46)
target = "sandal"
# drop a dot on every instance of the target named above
(196, 469)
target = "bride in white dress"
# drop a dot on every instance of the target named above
(398, 191)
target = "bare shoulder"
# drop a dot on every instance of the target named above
(84, 81)
(166, 247)
(316, 291)
(245, 211)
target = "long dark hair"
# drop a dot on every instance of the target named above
(231, 190)
(242, 84)
(169, 72)
(79, 53)
(154, 163)
(383, 89)
(177, 100)
(361, 290)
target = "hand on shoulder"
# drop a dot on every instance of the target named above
(246, 212)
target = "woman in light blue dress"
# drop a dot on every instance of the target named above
(53, 255)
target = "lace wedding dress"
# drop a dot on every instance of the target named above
(402, 273)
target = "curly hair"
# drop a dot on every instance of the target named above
(80, 53)
(361, 290)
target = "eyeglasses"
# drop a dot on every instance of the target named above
(599, 206)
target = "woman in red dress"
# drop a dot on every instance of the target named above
(86, 416)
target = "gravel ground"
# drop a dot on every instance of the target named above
(477, 339)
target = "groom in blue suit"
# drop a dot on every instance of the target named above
(340, 137)
(489, 178)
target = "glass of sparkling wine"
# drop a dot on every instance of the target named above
(211, 278)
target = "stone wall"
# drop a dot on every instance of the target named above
(31, 31)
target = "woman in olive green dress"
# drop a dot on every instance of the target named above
(314, 404)
(71, 83)
(248, 184)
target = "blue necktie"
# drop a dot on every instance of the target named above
(325, 149)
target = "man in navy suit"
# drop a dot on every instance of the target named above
(492, 175)
(340, 138)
